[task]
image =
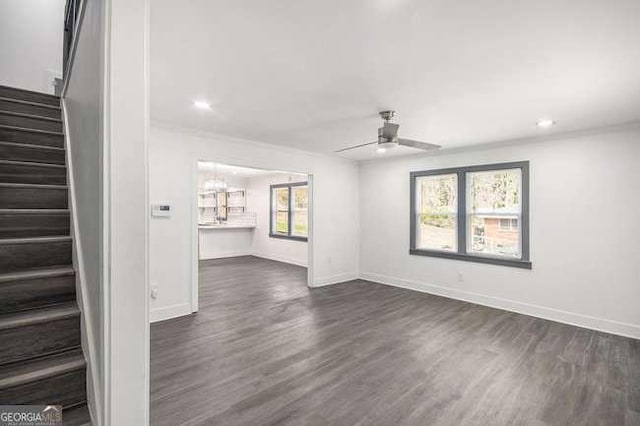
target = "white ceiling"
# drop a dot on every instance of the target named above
(314, 74)
(229, 170)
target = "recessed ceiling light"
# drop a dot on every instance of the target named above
(202, 105)
(381, 150)
(545, 123)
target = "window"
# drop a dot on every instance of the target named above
(508, 224)
(438, 212)
(478, 214)
(290, 211)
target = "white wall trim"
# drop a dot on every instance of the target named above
(282, 259)
(95, 396)
(168, 312)
(147, 224)
(195, 240)
(310, 234)
(106, 206)
(334, 279)
(571, 318)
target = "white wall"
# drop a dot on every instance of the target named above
(232, 181)
(585, 232)
(258, 201)
(31, 36)
(128, 214)
(173, 154)
(83, 102)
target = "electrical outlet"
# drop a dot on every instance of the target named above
(329, 260)
(460, 277)
(154, 292)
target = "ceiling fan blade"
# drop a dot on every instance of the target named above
(356, 146)
(417, 144)
(389, 130)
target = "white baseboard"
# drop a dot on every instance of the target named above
(572, 318)
(282, 259)
(225, 254)
(168, 312)
(334, 279)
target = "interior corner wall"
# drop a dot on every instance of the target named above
(31, 38)
(585, 232)
(258, 201)
(173, 154)
(127, 36)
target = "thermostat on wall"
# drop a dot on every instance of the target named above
(163, 210)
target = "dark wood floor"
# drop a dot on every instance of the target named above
(265, 350)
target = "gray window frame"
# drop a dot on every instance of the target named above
(461, 253)
(288, 236)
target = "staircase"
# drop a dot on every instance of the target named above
(41, 361)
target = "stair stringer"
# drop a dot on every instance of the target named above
(89, 333)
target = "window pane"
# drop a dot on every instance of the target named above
(282, 198)
(494, 210)
(436, 215)
(282, 222)
(300, 211)
(280, 215)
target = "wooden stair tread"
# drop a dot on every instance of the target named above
(26, 129)
(34, 116)
(37, 273)
(35, 211)
(39, 315)
(41, 368)
(32, 146)
(16, 90)
(25, 102)
(30, 163)
(76, 416)
(35, 240)
(31, 185)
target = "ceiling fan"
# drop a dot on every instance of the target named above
(388, 136)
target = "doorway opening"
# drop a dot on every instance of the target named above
(244, 213)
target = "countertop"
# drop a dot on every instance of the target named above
(227, 226)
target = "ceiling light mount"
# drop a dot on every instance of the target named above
(387, 115)
(202, 105)
(545, 123)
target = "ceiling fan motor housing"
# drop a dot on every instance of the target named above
(386, 142)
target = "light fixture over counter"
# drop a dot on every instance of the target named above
(217, 185)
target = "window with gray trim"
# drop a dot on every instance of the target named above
(289, 211)
(476, 213)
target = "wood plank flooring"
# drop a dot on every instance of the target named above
(266, 350)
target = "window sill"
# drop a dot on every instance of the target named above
(514, 263)
(288, 237)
